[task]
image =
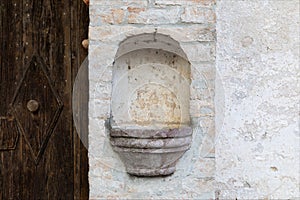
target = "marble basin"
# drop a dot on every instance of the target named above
(150, 152)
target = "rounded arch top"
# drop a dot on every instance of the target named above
(150, 41)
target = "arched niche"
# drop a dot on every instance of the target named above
(150, 119)
(151, 84)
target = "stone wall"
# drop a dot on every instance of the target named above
(191, 23)
(250, 82)
(257, 124)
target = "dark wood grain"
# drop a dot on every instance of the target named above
(41, 156)
(80, 16)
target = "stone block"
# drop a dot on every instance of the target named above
(154, 16)
(189, 33)
(109, 33)
(204, 167)
(204, 3)
(203, 70)
(207, 149)
(119, 3)
(197, 104)
(96, 128)
(199, 52)
(100, 108)
(100, 90)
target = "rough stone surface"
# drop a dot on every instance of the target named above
(257, 99)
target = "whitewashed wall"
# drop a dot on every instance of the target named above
(256, 97)
(257, 149)
(192, 24)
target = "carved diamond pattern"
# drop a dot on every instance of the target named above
(37, 126)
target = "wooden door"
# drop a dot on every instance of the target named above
(41, 156)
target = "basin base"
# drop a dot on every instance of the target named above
(152, 172)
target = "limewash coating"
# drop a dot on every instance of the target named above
(243, 104)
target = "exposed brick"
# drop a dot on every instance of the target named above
(135, 9)
(198, 15)
(114, 16)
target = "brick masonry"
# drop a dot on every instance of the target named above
(192, 24)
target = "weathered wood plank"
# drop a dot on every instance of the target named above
(39, 58)
(79, 20)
